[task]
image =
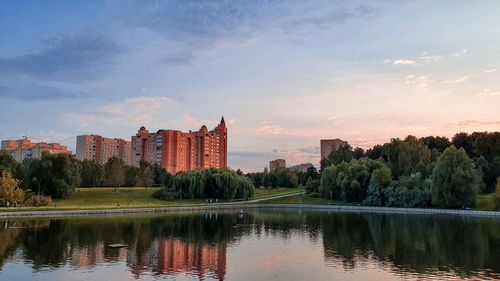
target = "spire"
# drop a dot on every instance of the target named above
(222, 122)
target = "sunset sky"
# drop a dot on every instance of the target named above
(283, 73)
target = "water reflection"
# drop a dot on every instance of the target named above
(196, 245)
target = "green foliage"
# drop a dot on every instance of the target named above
(348, 181)
(212, 183)
(455, 180)
(328, 182)
(343, 154)
(115, 172)
(439, 144)
(409, 192)
(53, 174)
(312, 187)
(380, 179)
(497, 194)
(162, 177)
(408, 156)
(165, 194)
(282, 177)
(146, 174)
(92, 173)
(9, 164)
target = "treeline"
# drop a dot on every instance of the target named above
(57, 175)
(222, 184)
(430, 171)
(283, 177)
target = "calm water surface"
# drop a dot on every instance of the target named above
(254, 245)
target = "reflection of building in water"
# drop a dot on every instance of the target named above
(163, 256)
(91, 256)
(177, 256)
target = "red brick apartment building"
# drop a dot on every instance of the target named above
(100, 149)
(178, 151)
(26, 149)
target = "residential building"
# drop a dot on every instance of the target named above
(276, 164)
(100, 149)
(26, 149)
(327, 146)
(178, 151)
(302, 167)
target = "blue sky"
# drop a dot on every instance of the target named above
(283, 73)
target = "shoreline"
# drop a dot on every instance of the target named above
(240, 206)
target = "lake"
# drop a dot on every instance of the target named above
(251, 245)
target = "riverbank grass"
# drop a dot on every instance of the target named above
(130, 197)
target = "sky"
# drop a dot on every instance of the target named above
(284, 74)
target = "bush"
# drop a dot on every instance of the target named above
(166, 194)
(381, 178)
(312, 186)
(409, 192)
(10, 192)
(39, 201)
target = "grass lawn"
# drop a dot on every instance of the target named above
(486, 202)
(266, 192)
(303, 199)
(128, 197)
(109, 197)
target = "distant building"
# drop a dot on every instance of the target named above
(276, 164)
(100, 149)
(302, 167)
(26, 149)
(178, 151)
(327, 146)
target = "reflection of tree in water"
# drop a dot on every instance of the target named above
(417, 243)
(196, 243)
(165, 244)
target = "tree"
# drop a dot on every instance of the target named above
(114, 172)
(454, 180)
(380, 179)
(408, 156)
(497, 193)
(131, 176)
(436, 143)
(328, 183)
(53, 174)
(10, 192)
(92, 173)
(409, 192)
(343, 154)
(353, 179)
(146, 174)
(211, 183)
(9, 164)
(161, 176)
(487, 146)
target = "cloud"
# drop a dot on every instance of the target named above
(455, 80)
(267, 128)
(401, 62)
(487, 93)
(474, 123)
(30, 92)
(425, 58)
(420, 82)
(196, 26)
(490, 70)
(136, 111)
(76, 58)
